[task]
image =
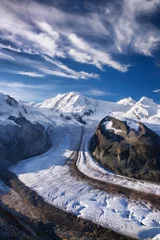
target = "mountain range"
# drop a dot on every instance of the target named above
(74, 106)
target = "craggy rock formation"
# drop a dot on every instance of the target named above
(15, 226)
(22, 140)
(126, 151)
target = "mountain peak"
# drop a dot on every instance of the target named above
(4, 98)
(146, 101)
(127, 101)
(73, 94)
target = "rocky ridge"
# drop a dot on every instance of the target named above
(133, 152)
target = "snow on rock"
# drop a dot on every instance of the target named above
(76, 105)
(49, 175)
(88, 166)
(157, 237)
(69, 103)
(9, 106)
(127, 101)
(144, 108)
(86, 110)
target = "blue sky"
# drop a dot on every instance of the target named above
(103, 49)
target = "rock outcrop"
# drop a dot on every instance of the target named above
(127, 151)
(22, 140)
(14, 225)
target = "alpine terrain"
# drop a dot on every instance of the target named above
(72, 167)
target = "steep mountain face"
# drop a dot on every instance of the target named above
(144, 108)
(26, 128)
(14, 225)
(10, 107)
(120, 144)
(131, 150)
(20, 138)
(22, 141)
(127, 101)
(75, 106)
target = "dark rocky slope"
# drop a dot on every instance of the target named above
(22, 140)
(15, 226)
(125, 151)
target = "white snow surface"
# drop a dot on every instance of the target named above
(49, 175)
(74, 103)
(91, 110)
(127, 101)
(88, 166)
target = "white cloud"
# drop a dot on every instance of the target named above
(26, 92)
(9, 47)
(80, 56)
(23, 85)
(97, 57)
(156, 90)
(53, 26)
(79, 42)
(48, 29)
(22, 33)
(37, 28)
(68, 72)
(130, 33)
(6, 56)
(96, 92)
(49, 67)
(39, 31)
(30, 74)
(75, 75)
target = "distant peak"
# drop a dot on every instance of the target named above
(127, 101)
(146, 101)
(73, 94)
(6, 98)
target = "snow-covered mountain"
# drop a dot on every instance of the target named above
(144, 108)
(74, 102)
(76, 106)
(127, 101)
(50, 134)
(10, 107)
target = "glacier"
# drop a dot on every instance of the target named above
(74, 119)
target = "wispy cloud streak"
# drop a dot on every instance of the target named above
(45, 30)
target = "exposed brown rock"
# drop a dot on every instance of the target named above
(126, 151)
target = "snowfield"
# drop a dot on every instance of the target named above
(50, 176)
(88, 166)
